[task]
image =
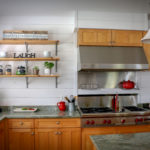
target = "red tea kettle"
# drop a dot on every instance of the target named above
(128, 84)
(61, 105)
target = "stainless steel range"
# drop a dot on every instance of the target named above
(97, 111)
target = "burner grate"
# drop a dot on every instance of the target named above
(134, 108)
(96, 110)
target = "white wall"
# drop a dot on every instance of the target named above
(41, 91)
(111, 20)
(58, 18)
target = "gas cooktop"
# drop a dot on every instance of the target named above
(96, 110)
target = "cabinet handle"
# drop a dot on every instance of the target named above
(32, 133)
(59, 133)
(113, 42)
(58, 122)
(21, 123)
(56, 133)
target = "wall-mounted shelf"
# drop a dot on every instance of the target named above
(29, 42)
(30, 59)
(107, 91)
(9, 76)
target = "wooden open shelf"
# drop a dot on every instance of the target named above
(6, 76)
(31, 42)
(31, 59)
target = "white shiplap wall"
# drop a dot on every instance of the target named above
(41, 91)
(112, 20)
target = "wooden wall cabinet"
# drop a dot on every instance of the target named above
(94, 37)
(57, 134)
(127, 38)
(2, 135)
(86, 132)
(100, 37)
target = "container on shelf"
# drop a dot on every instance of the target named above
(21, 70)
(8, 70)
(36, 70)
(46, 54)
(1, 70)
(3, 54)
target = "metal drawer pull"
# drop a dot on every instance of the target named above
(21, 123)
(56, 133)
(58, 122)
(32, 133)
(59, 133)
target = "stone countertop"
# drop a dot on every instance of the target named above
(132, 141)
(43, 112)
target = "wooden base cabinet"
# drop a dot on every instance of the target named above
(58, 139)
(21, 139)
(21, 134)
(2, 137)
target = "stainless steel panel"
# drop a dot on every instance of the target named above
(106, 101)
(90, 66)
(112, 58)
(101, 80)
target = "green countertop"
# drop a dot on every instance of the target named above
(136, 141)
(44, 112)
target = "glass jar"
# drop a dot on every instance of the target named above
(8, 70)
(1, 70)
(21, 70)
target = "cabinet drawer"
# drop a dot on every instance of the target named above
(57, 123)
(20, 123)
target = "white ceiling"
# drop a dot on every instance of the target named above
(62, 7)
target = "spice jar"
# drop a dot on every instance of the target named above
(21, 70)
(1, 70)
(8, 70)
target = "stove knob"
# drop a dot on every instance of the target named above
(123, 121)
(136, 120)
(105, 121)
(87, 122)
(141, 119)
(109, 121)
(92, 122)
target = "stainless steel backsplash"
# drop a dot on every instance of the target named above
(102, 80)
(106, 100)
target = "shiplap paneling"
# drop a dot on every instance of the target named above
(112, 20)
(41, 91)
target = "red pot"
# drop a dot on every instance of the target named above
(61, 105)
(128, 84)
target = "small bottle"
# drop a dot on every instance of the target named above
(8, 70)
(1, 70)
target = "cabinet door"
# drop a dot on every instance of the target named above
(127, 38)
(86, 132)
(94, 37)
(21, 139)
(147, 50)
(46, 139)
(1, 135)
(70, 139)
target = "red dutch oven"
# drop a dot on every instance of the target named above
(61, 105)
(128, 84)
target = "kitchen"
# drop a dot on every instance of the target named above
(37, 92)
